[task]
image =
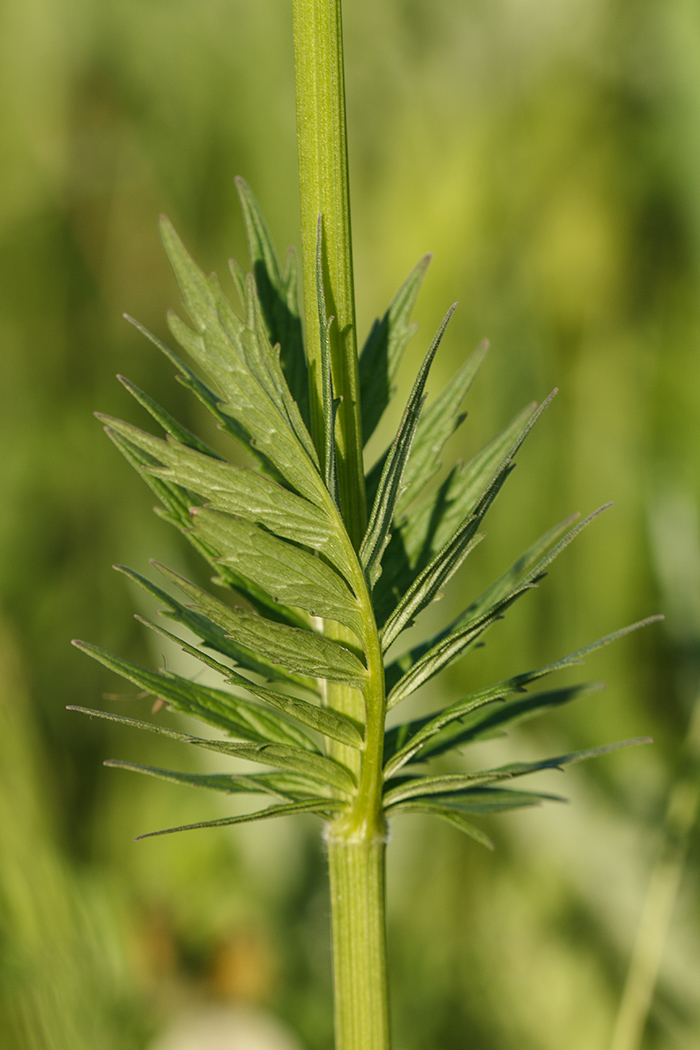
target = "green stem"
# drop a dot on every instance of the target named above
(356, 852)
(359, 952)
(324, 188)
(357, 840)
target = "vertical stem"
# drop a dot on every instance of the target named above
(359, 942)
(356, 856)
(323, 177)
(357, 840)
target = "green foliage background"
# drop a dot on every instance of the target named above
(549, 155)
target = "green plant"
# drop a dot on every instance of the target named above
(321, 589)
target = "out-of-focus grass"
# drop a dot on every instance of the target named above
(550, 156)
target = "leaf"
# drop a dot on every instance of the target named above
(287, 786)
(452, 816)
(322, 807)
(481, 800)
(215, 637)
(405, 741)
(432, 580)
(239, 717)
(433, 520)
(384, 348)
(328, 402)
(201, 391)
(177, 505)
(324, 720)
(176, 502)
(483, 724)
(424, 663)
(263, 362)
(454, 783)
(240, 491)
(532, 564)
(294, 759)
(288, 573)
(246, 369)
(377, 535)
(278, 298)
(133, 723)
(169, 424)
(468, 485)
(461, 635)
(435, 576)
(291, 648)
(437, 424)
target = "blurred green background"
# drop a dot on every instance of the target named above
(549, 155)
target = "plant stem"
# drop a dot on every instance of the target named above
(356, 856)
(324, 188)
(359, 953)
(357, 840)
